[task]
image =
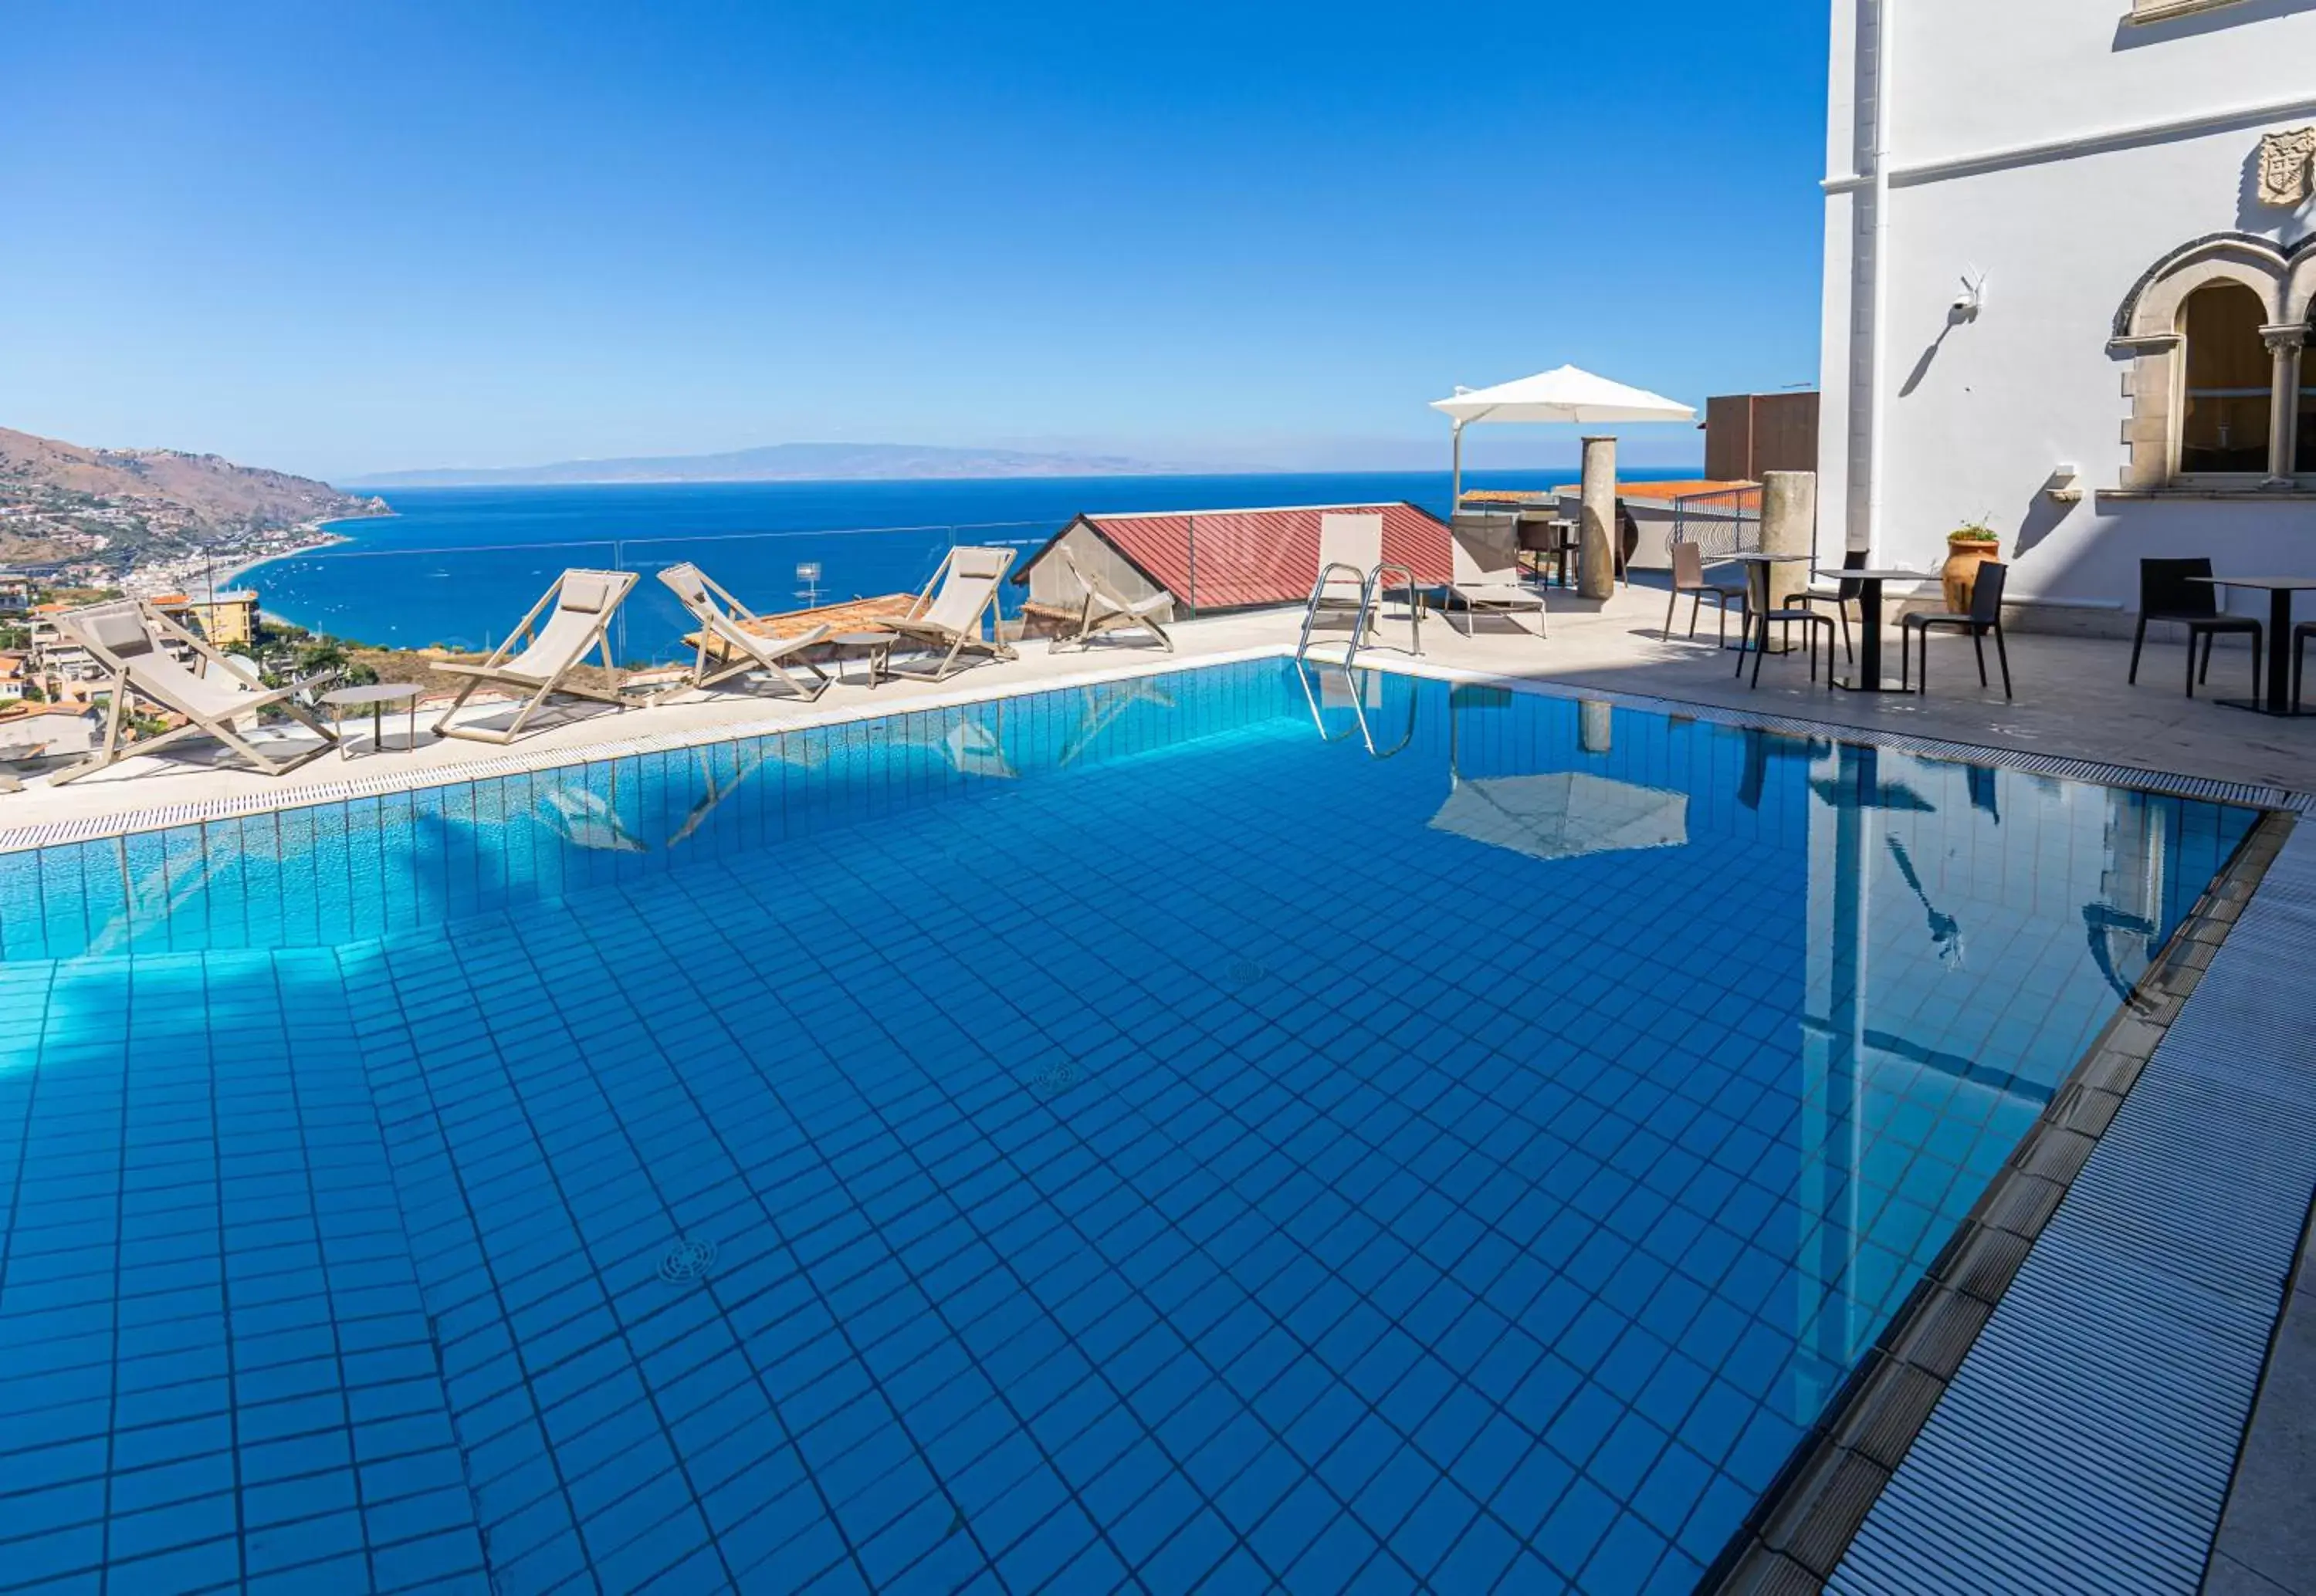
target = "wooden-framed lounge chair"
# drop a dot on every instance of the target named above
(1484, 571)
(136, 646)
(946, 617)
(1105, 610)
(728, 649)
(577, 610)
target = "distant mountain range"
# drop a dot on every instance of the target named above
(793, 462)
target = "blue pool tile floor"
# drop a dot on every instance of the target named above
(1189, 1172)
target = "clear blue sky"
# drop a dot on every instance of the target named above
(350, 237)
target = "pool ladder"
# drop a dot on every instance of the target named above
(1371, 594)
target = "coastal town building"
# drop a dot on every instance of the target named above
(12, 673)
(15, 593)
(228, 619)
(2067, 288)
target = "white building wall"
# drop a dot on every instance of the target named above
(1977, 414)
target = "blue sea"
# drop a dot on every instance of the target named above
(460, 566)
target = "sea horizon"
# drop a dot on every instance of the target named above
(458, 567)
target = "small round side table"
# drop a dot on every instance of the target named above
(376, 696)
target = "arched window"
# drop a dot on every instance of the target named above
(2223, 426)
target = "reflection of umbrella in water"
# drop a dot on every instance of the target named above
(1563, 814)
(587, 819)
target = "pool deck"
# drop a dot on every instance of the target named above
(2072, 704)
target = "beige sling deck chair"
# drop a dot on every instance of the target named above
(946, 617)
(1485, 570)
(577, 610)
(1104, 610)
(137, 645)
(728, 649)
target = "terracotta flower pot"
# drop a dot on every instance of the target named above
(1960, 574)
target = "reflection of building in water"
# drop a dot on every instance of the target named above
(1922, 1066)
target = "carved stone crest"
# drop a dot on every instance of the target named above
(2287, 167)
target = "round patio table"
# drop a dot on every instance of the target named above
(374, 697)
(1869, 678)
(874, 646)
(2279, 590)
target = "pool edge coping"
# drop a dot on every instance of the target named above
(1802, 1527)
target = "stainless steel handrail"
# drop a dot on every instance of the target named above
(1318, 588)
(1369, 591)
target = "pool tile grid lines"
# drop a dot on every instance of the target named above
(2087, 1437)
(510, 1150)
(221, 1371)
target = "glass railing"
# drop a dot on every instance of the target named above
(466, 598)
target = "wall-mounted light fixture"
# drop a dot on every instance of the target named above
(1972, 299)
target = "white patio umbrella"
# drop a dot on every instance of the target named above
(1563, 815)
(1564, 394)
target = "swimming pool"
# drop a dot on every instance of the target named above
(1234, 1125)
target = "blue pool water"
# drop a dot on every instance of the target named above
(1282, 1132)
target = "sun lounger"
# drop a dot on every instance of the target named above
(1104, 610)
(577, 610)
(728, 649)
(138, 647)
(1485, 569)
(946, 617)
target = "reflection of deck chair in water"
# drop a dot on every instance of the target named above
(728, 649)
(135, 643)
(578, 610)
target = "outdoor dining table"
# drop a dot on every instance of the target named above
(1868, 678)
(2279, 590)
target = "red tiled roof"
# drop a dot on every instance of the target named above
(1220, 559)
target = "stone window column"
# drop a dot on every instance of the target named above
(2285, 343)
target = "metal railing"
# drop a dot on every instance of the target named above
(1726, 522)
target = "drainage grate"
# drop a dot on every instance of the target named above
(687, 1260)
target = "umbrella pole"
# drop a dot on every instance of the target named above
(1455, 480)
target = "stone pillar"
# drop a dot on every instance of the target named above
(1595, 722)
(2283, 345)
(1788, 526)
(1596, 524)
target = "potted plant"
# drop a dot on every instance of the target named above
(1968, 546)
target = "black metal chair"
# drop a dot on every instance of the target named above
(1759, 617)
(1689, 578)
(2301, 635)
(1841, 596)
(1985, 615)
(2168, 591)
